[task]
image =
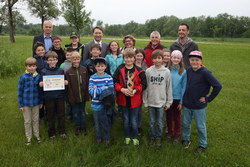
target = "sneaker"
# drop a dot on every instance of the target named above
(151, 142)
(168, 137)
(78, 131)
(139, 131)
(136, 142)
(127, 141)
(38, 139)
(199, 150)
(186, 143)
(83, 130)
(63, 136)
(107, 143)
(52, 137)
(176, 140)
(28, 141)
(158, 142)
(98, 141)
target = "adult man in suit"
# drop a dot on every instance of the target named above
(184, 44)
(46, 37)
(98, 34)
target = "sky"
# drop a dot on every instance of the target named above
(124, 11)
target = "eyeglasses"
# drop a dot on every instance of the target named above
(52, 60)
(127, 41)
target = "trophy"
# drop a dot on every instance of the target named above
(130, 82)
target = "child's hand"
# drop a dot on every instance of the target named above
(125, 91)
(132, 93)
(40, 106)
(106, 87)
(179, 107)
(203, 100)
(95, 86)
(21, 108)
(166, 107)
(41, 84)
(66, 82)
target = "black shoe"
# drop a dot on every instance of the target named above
(186, 143)
(199, 150)
(139, 131)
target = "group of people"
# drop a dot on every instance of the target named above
(164, 81)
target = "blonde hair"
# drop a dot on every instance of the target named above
(129, 52)
(30, 61)
(181, 64)
(75, 55)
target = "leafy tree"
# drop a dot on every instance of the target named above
(18, 19)
(44, 9)
(75, 14)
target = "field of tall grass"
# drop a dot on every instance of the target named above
(227, 119)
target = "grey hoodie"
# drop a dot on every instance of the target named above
(159, 88)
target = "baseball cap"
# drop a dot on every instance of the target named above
(196, 53)
(100, 60)
(73, 34)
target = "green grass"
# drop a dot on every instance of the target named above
(227, 120)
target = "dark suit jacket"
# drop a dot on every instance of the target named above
(86, 53)
(39, 38)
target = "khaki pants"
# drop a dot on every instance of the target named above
(28, 114)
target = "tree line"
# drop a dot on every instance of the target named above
(78, 19)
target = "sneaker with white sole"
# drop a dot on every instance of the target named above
(186, 143)
(28, 141)
(199, 150)
(136, 142)
(127, 141)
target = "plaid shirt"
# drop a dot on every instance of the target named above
(29, 93)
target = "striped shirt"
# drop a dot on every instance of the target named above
(101, 82)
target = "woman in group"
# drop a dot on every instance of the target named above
(129, 42)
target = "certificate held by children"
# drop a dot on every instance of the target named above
(53, 82)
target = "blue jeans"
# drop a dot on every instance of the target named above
(130, 119)
(79, 114)
(200, 121)
(156, 121)
(68, 107)
(99, 126)
(139, 116)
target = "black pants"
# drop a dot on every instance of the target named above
(55, 107)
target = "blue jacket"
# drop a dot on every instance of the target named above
(198, 85)
(100, 82)
(41, 63)
(114, 63)
(56, 93)
(29, 93)
(178, 83)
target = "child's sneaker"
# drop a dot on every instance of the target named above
(186, 143)
(176, 140)
(136, 142)
(98, 141)
(127, 141)
(107, 143)
(158, 143)
(28, 141)
(38, 139)
(199, 150)
(53, 137)
(168, 137)
(63, 136)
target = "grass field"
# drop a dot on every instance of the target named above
(227, 119)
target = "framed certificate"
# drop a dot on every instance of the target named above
(53, 82)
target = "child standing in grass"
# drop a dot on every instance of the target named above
(179, 81)
(65, 66)
(129, 81)
(54, 100)
(114, 57)
(195, 99)
(29, 103)
(77, 78)
(157, 97)
(99, 82)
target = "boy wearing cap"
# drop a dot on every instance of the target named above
(97, 84)
(75, 44)
(195, 99)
